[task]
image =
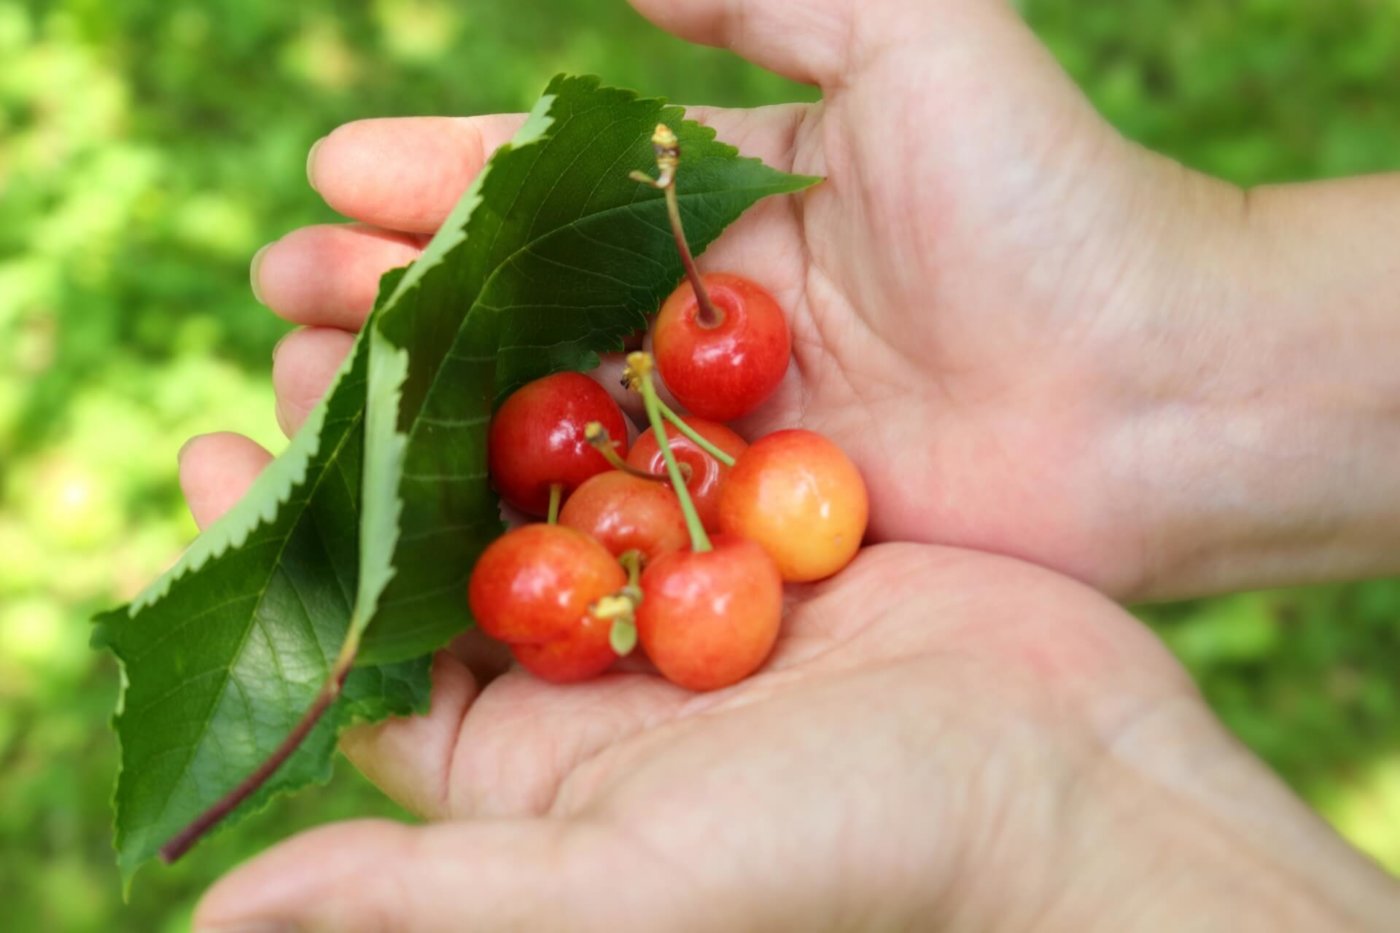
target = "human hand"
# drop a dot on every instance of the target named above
(1034, 338)
(942, 739)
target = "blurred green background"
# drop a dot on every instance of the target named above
(149, 147)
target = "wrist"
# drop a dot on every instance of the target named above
(1174, 827)
(1267, 432)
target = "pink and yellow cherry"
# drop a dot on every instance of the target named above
(709, 619)
(537, 439)
(800, 497)
(706, 473)
(722, 367)
(582, 654)
(625, 512)
(532, 584)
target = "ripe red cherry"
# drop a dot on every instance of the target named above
(706, 473)
(723, 369)
(537, 438)
(797, 494)
(533, 583)
(709, 619)
(581, 655)
(625, 513)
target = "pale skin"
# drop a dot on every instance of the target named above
(1037, 341)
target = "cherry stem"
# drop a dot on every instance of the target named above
(622, 637)
(183, 841)
(556, 495)
(640, 365)
(598, 437)
(668, 159)
(631, 561)
(700, 440)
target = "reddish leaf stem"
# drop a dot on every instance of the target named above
(183, 841)
(668, 158)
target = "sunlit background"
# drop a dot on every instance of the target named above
(149, 147)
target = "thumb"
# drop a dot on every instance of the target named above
(380, 875)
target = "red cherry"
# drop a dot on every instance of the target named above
(706, 473)
(533, 583)
(708, 619)
(723, 369)
(581, 655)
(626, 513)
(797, 494)
(537, 438)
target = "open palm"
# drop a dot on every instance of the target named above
(942, 738)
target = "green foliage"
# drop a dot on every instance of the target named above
(149, 147)
(224, 654)
(1254, 91)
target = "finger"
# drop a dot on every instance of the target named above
(328, 275)
(407, 173)
(812, 41)
(303, 367)
(404, 173)
(503, 750)
(403, 757)
(378, 875)
(410, 759)
(485, 657)
(216, 470)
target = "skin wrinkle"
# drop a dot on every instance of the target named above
(546, 799)
(772, 896)
(1156, 796)
(991, 814)
(1114, 751)
(653, 856)
(445, 797)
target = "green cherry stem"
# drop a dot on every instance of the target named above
(670, 415)
(640, 365)
(598, 437)
(621, 607)
(668, 158)
(556, 495)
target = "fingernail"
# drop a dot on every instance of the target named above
(253, 268)
(311, 164)
(255, 926)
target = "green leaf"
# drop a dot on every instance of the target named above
(223, 654)
(376, 511)
(560, 256)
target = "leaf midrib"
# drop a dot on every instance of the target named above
(273, 569)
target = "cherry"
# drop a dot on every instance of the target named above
(721, 367)
(708, 619)
(582, 654)
(709, 615)
(797, 494)
(705, 472)
(721, 342)
(537, 439)
(533, 583)
(625, 512)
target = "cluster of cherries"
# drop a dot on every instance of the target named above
(682, 542)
